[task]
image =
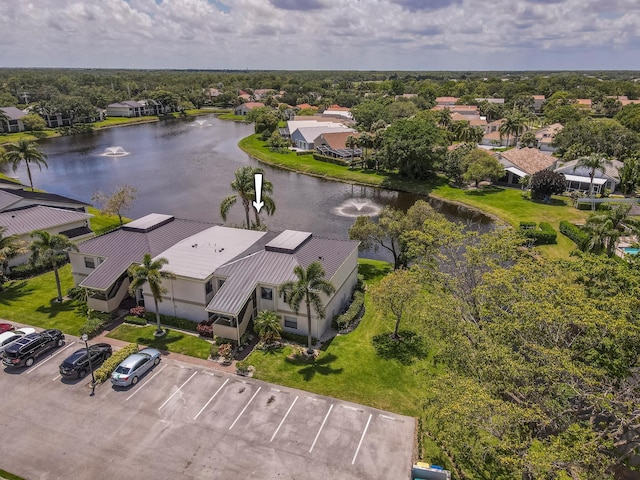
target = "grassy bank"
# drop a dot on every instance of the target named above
(14, 137)
(506, 204)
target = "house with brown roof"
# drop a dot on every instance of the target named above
(585, 103)
(334, 144)
(538, 102)
(245, 108)
(225, 275)
(546, 135)
(520, 162)
(446, 100)
(460, 109)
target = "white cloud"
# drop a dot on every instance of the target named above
(321, 34)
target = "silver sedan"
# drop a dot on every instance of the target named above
(134, 366)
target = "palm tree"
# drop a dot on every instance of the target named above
(10, 247)
(46, 248)
(514, 124)
(267, 326)
(150, 271)
(445, 118)
(605, 228)
(244, 186)
(25, 151)
(308, 286)
(593, 162)
(351, 142)
(466, 133)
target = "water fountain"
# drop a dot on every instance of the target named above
(357, 207)
(114, 152)
(201, 123)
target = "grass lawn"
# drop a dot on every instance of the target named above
(232, 116)
(14, 137)
(349, 368)
(104, 223)
(115, 121)
(32, 302)
(174, 341)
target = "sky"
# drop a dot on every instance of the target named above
(322, 34)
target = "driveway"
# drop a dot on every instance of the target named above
(185, 420)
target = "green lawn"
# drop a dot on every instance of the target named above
(32, 302)
(104, 223)
(232, 116)
(348, 368)
(174, 341)
(116, 121)
(14, 137)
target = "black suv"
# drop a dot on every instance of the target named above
(77, 364)
(24, 351)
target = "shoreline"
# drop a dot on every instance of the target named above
(496, 219)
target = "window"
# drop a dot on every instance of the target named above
(266, 293)
(220, 283)
(208, 287)
(290, 322)
(89, 262)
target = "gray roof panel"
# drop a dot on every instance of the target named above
(25, 220)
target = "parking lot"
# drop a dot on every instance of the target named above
(188, 421)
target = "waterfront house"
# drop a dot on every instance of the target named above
(578, 178)
(13, 123)
(521, 162)
(245, 108)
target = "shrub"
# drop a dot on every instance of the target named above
(93, 327)
(27, 270)
(353, 313)
(327, 159)
(138, 311)
(205, 328)
(242, 368)
(545, 234)
(214, 351)
(175, 322)
(527, 225)
(218, 340)
(134, 320)
(295, 338)
(575, 233)
(103, 373)
(360, 285)
(226, 351)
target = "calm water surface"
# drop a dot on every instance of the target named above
(185, 170)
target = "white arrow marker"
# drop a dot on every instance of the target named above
(258, 203)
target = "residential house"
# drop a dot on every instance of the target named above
(13, 198)
(493, 137)
(497, 101)
(538, 102)
(260, 93)
(624, 100)
(474, 120)
(520, 162)
(303, 137)
(245, 108)
(334, 144)
(337, 111)
(13, 123)
(250, 284)
(584, 103)
(58, 119)
(309, 121)
(470, 110)
(101, 263)
(546, 135)
(127, 108)
(22, 221)
(244, 96)
(578, 178)
(446, 100)
(223, 274)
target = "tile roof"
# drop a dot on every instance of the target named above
(252, 105)
(547, 134)
(121, 248)
(272, 268)
(441, 100)
(305, 105)
(336, 140)
(25, 220)
(529, 160)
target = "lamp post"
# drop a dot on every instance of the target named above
(85, 339)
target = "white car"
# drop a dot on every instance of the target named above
(7, 338)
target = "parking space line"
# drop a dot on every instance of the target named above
(45, 361)
(179, 388)
(284, 418)
(212, 397)
(245, 407)
(361, 439)
(140, 387)
(321, 427)
(56, 378)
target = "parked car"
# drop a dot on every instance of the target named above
(134, 366)
(24, 351)
(77, 364)
(7, 338)
(6, 327)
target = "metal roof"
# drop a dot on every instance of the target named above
(7, 198)
(121, 248)
(578, 178)
(288, 241)
(13, 113)
(148, 222)
(42, 196)
(274, 268)
(25, 220)
(199, 255)
(517, 171)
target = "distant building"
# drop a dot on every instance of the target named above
(13, 124)
(245, 108)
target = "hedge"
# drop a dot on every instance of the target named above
(94, 326)
(335, 161)
(527, 225)
(103, 373)
(175, 322)
(300, 339)
(574, 233)
(545, 234)
(133, 320)
(27, 270)
(353, 312)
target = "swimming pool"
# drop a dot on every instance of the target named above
(631, 250)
